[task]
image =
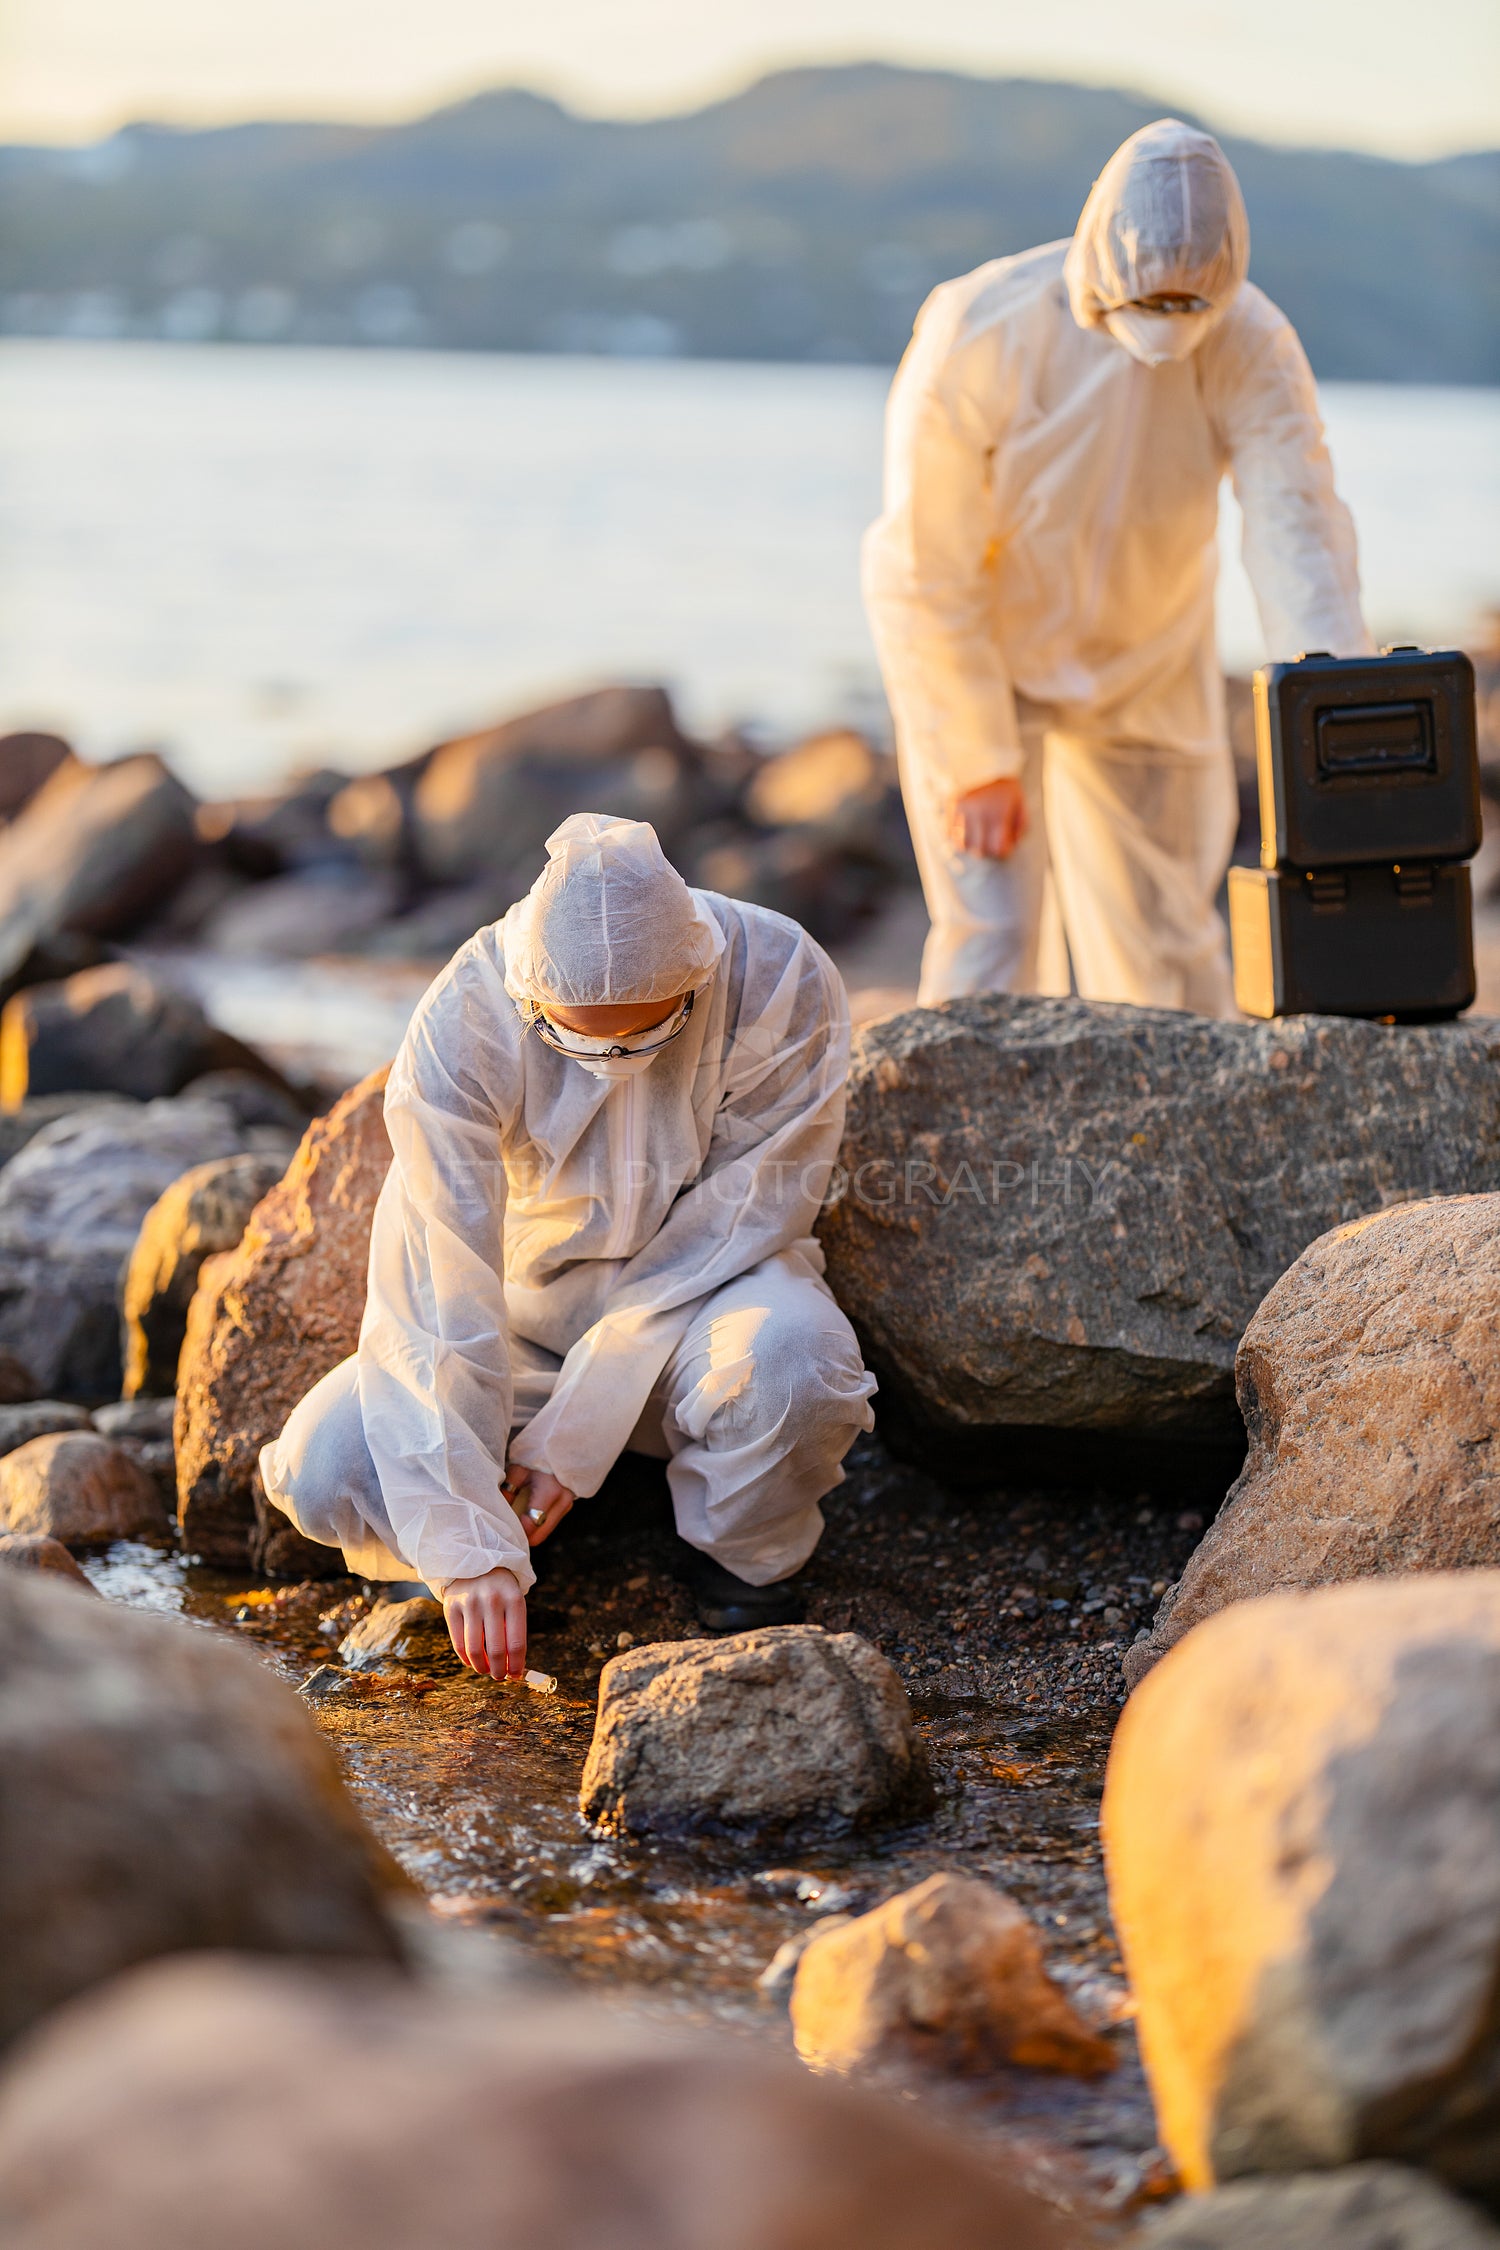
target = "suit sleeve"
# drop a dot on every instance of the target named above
(434, 1359)
(928, 567)
(1299, 546)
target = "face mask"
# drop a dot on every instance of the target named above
(1156, 338)
(596, 1055)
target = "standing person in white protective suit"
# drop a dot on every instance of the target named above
(613, 1120)
(1041, 583)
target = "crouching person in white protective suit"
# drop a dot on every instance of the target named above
(1041, 583)
(613, 1120)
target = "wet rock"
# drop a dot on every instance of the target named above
(397, 2116)
(142, 1427)
(1369, 1380)
(836, 782)
(294, 917)
(268, 1320)
(1302, 1827)
(786, 1730)
(94, 851)
(148, 1419)
(202, 1213)
(486, 804)
(438, 925)
(21, 1125)
(372, 814)
(77, 1487)
(951, 1971)
(1363, 2207)
(38, 1417)
(396, 1633)
(163, 1792)
(17, 1383)
(253, 1100)
(796, 871)
(1060, 1216)
(266, 835)
(71, 1206)
(111, 1030)
(33, 1550)
(27, 761)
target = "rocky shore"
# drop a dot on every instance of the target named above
(897, 1898)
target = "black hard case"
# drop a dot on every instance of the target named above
(1364, 759)
(1357, 941)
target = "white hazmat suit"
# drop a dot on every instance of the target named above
(579, 1252)
(1041, 582)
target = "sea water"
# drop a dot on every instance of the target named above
(260, 558)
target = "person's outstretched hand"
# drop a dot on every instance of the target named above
(486, 1619)
(539, 1500)
(989, 822)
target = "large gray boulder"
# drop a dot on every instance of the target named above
(1058, 1217)
(240, 2104)
(1302, 1829)
(784, 1731)
(71, 1206)
(1369, 1379)
(163, 1793)
(112, 1030)
(1363, 2207)
(95, 850)
(200, 1214)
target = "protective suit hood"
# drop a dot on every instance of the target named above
(1165, 215)
(607, 922)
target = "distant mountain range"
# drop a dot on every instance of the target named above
(805, 218)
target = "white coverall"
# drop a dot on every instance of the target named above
(1041, 582)
(583, 1254)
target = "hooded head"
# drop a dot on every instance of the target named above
(1164, 218)
(608, 923)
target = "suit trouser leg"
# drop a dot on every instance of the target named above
(1140, 840)
(987, 915)
(759, 1404)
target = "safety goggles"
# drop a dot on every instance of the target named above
(594, 1050)
(1173, 305)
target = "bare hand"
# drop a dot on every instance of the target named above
(486, 1619)
(539, 1500)
(989, 822)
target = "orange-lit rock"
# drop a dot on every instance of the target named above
(951, 1971)
(268, 1320)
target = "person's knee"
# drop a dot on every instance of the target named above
(806, 1383)
(320, 1464)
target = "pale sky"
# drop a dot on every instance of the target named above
(1371, 74)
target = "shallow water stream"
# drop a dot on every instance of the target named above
(989, 1606)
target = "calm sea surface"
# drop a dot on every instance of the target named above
(256, 558)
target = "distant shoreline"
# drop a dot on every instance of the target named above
(804, 218)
